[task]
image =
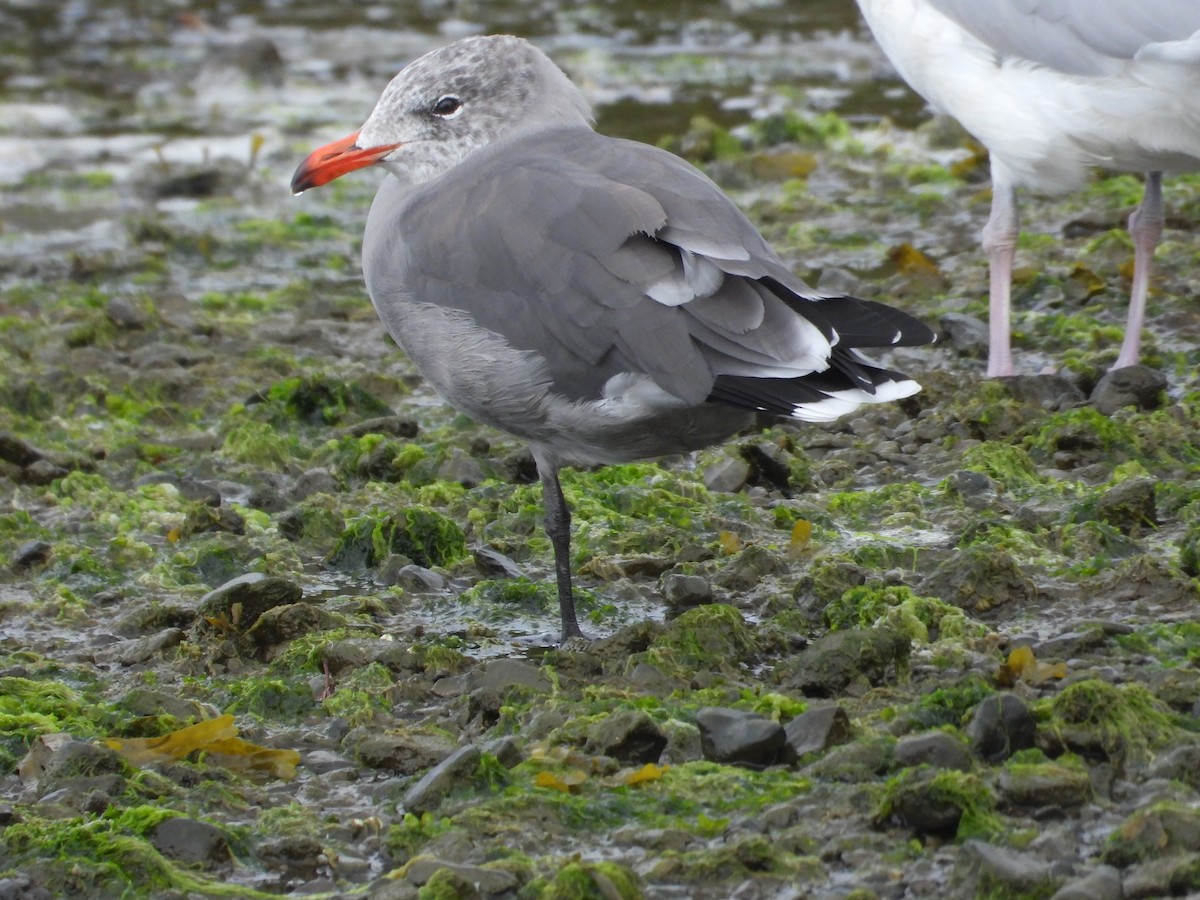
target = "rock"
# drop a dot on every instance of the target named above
(1174, 876)
(816, 730)
(299, 855)
(138, 650)
(727, 475)
(975, 488)
(281, 624)
(1179, 764)
(738, 737)
(493, 564)
(1129, 506)
(749, 567)
(1102, 883)
(461, 468)
(43, 472)
(318, 480)
(966, 335)
(859, 761)
(54, 760)
(771, 463)
(427, 793)
(836, 660)
(1045, 785)
(1155, 832)
(630, 737)
(685, 591)
(937, 749)
(1138, 386)
(507, 750)
(22, 887)
(978, 578)
(191, 842)
(212, 520)
(503, 673)
(402, 752)
(322, 762)
(1001, 725)
(984, 869)
(242, 600)
(1052, 392)
(30, 555)
(488, 882)
(189, 488)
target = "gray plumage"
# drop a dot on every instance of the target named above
(599, 298)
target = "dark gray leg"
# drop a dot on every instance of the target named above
(558, 527)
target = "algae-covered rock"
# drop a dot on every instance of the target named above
(707, 638)
(402, 752)
(870, 656)
(422, 534)
(592, 881)
(1119, 722)
(1148, 834)
(1001, 725)
(241, 601)
(1050, 785)
(630, 737)
(978, 578)
(946, 803)
(1129, 506)
(988, 870)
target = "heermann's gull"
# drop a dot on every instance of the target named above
(1052, 87)
(600, 298)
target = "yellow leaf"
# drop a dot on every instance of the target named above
(174, 535)
(568, 783)
(801, 537)
(648, 772)
(217, 737)
(730, 542)
(1021, 665)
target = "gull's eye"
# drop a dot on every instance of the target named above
(447, 106)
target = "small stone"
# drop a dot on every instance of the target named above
(1046, 785)
(933, 748)
(1179, 764)
(314, 481)
(685, 591)
(966, 335)
(401, 752)
(1138, 386)
(1129, 506)
(410, 576)
(630, 737)
(998, 871)
(771, 462)
(31, 554)
(43, 472)
(189, 488)
(971, 486)
(426, 794)
(727, 475)
(739, 737)
(242, 600)
(1001, 725)
(873, 656)
(488, 882)
(126, 314)
(281, 624)
(1102, 883)
(138, 650)
(816, 730)
(502, 673)
(191, 842)
(492, 564)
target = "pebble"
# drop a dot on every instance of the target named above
(427, 793)
(191, 842)
(630, 737)
(933, 748)
(1138, 386)
(816, 730)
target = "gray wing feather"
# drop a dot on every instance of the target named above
(1080, 37)
(604, 256)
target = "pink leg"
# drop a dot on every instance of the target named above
(1000, 243)
(1145, 227)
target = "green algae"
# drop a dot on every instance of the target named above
(919, 618)
(1123, 721)
(105, 857)
(421, 533)
(321, 400)
(950, 705)
(713, 637)
(1009, 466)
(964, 793)
(587, 881)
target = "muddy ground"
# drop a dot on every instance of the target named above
(225, 492)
